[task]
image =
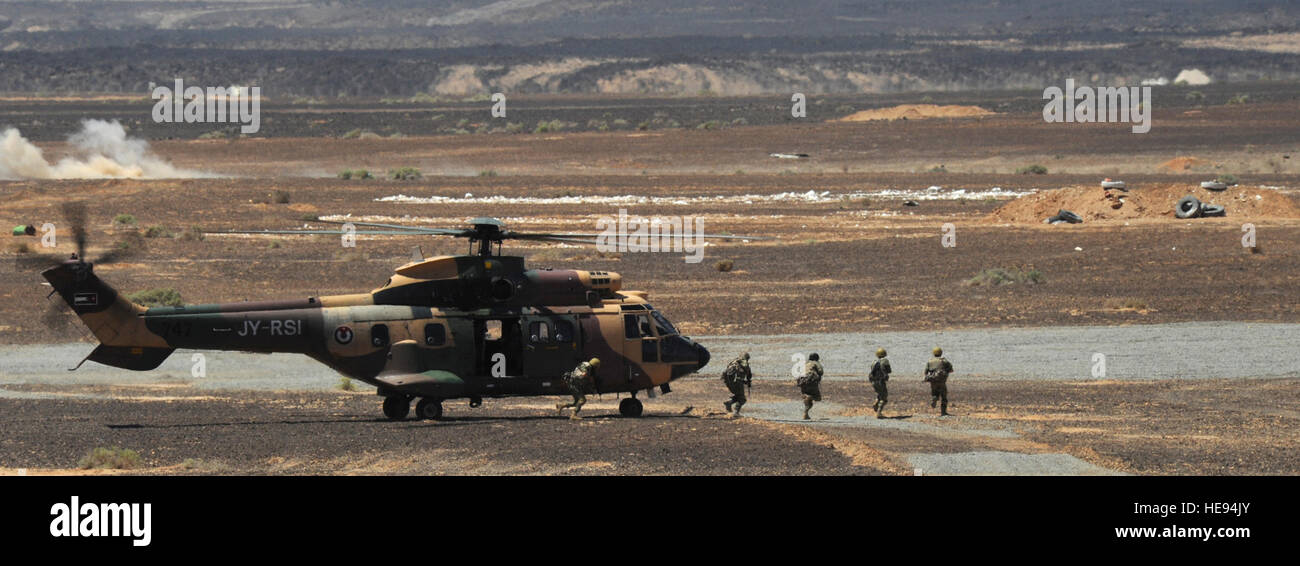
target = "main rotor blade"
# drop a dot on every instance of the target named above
(335, 232)
(438, 231)
(545, 236)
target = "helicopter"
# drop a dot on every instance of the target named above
(472, 326)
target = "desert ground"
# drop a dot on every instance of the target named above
(856, 245)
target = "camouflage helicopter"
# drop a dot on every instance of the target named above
(448, 327)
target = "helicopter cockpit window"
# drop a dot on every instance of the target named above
(435, 334)
(539, 332)
(637, 326)
(665, 328)
(563, 331)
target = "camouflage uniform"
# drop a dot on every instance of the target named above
(879, 377)
(812, 389)
(737, 376)
(580, 383)
(936, 372)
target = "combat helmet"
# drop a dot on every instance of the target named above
(880, 352)
(937, 351)
(813, 357)
(595, 362)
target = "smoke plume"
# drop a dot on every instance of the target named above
(101, 150)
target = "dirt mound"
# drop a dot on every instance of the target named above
(915, 112)
(1184, 163)
(1144, 201)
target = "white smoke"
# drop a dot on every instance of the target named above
(101, 150)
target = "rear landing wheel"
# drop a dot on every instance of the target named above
(630, 407)
(396, 407)
(430, 409)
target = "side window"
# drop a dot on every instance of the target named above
(379, 335)
(630, 327)
(563, 331)
(435, 334)
(649, 350)
(539, 332)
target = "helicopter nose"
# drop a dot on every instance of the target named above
(702, 354)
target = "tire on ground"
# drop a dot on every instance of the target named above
(1188, 207)
(1213, 210)
(1214, 186)
(1068, 216)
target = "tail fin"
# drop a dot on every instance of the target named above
(115, 321)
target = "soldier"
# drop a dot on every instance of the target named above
(737, 377)
(879, 376)
(936, 372)
(580, 382)
(810, 383)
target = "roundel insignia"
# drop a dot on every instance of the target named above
(343, 335)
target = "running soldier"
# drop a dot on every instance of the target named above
(737, 377)
(581, 382)
(879, 377)
(810, 383)
(936, 373)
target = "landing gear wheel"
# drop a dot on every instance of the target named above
(396, 407)
(430, 409)
(630, 407)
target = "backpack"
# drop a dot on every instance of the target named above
(809, 379)
(878, 372)
(732, 373)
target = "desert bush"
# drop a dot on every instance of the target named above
(724, 265)
(1195, 96)
(709, 125)
(643, 126)
(404, 174)
(158, 232)
(345, 384)
(275, 245)
(1227, 179)
(352, 134)
(109, 458)
(194, 234)
(160, 297)
(356, 174)
(1001, 276)
(487, 173)
(124, 219)
(551, 126)
(213, 135)
(1034, 169)
(1240, 98)
(280, 197)
(514, 127)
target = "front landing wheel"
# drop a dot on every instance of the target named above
(430, 409)
(396, 407)
(630, 407)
